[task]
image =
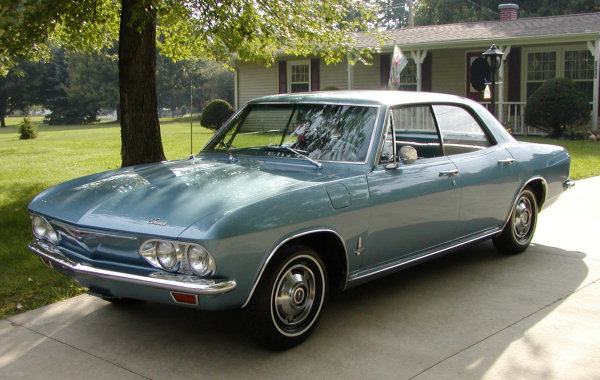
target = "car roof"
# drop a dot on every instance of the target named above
(363, 97)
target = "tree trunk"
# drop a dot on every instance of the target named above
(140, 129)
(2, 121)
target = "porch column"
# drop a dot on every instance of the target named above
(500, 95)
(236, 89)
(418, 56)
(350, 74)
(594, 47)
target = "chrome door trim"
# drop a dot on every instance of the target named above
(419, 258)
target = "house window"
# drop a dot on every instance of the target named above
(541, 66)
(299, 76)
(579, 67)
(408, 77)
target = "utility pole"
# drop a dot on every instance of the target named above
(411, 18)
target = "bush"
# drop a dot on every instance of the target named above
(330, 88)
(556, 104)
(576, 132)
(27, 130)
(216, 113)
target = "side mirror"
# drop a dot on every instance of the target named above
(408, 154)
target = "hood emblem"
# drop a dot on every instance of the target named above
(157, 222)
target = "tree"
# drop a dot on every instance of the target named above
(253, 30)
(430, 12)
(556, 104)
(393, 14)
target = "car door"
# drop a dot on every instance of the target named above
(487, 171)
(414, 206)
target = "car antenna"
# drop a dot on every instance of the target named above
(191, 119)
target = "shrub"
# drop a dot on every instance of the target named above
(330, 88)
(556, 104)
(216, 113)
(576, 132)
(27, 130)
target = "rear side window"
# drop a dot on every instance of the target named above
(460, 131)
(415, 126)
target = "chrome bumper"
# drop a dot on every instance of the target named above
(568, 184)
(167, 281)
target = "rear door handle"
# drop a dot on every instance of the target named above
(449, 173)
(507, 161)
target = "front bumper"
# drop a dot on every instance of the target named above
(161, 280)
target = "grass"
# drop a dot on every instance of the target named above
(27, 167)
(64, 152)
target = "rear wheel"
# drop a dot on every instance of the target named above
(287, 303)
(518, 232)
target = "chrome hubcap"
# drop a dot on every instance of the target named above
(523, 217)
(295, 295)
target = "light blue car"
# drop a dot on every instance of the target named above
(297, 195)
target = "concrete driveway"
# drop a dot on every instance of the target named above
(471, 315)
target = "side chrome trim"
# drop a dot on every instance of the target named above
(272, 254)
(168, 281)
(545, 195)
(416, 259)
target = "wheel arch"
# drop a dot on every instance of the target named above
(327, 243)
(539, 187)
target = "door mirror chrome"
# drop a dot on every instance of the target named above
(408, 154)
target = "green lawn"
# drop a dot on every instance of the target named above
(64, 152)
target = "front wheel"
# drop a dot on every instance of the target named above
(518, 232)
(287, 303)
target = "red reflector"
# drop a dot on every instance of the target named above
(185, 298)
(47, 262)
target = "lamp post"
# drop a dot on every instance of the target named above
(493, 55)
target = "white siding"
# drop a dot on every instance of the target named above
(366, 77)
(256, 80)
(334, 75)
(449, 71)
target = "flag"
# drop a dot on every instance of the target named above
(399, 62)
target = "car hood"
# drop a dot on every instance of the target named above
(165, 198)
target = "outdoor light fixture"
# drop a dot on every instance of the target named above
(493, 55)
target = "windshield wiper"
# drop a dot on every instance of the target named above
(224, 145)
(298, 153)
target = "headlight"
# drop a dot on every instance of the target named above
(43, 230)
(166, 255)
(200, 261)
(174, 256)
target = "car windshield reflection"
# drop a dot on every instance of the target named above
(316, 131)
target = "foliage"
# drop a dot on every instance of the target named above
(393, 14)
(208, 79)
(215, 113)
(27, 130)
(430, 12)
(557, 103)
(576, 132)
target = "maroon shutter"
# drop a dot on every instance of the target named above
(514, 75)
(315, 77)
(426, 74)
(385, 61)
(283, 77)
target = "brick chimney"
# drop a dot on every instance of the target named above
(508, 11)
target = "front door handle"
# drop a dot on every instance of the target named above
(449, 173)
(507, 161)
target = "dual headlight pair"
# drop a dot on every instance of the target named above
(162, 254)
(171, 256)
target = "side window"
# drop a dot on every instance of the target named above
(460, 132)
(414, 126)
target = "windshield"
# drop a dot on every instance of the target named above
(318, 131)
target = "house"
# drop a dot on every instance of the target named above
(440, 56)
